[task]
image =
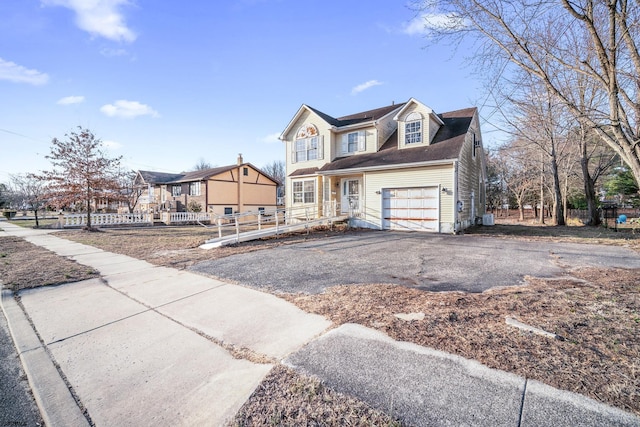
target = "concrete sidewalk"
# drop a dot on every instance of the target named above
(147, 345)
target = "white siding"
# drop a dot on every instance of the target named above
(429, 126)
(441, 176)
(471, 175)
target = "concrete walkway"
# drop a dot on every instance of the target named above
(148, 345)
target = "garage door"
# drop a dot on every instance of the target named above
(411, 209)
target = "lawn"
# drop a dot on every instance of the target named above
(595, 315)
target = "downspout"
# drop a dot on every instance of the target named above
(456, 224)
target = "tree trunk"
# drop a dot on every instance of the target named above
(557, 193)
(593, 219)
(542, 192)
(35, 211)
(88, 213)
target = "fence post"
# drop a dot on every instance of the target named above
(259, 220)
(237, 229)
(277, 222)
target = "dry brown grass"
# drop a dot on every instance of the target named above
(286, 398)
(597, 315)
(178, 247)
(25, 265)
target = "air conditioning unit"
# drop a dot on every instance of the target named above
(487, 219)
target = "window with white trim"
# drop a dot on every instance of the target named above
(176, 190)
(194, 188)
(307, 144)
(306, 149)
(354, 141)
(413, 132)
(304, 191)
(413, 128)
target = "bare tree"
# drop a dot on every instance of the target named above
(81, 173)
(277, 170)
(130, 192)
(518, 171)
(202, 165)
(555, 41)
(30, 193)
(4, 195)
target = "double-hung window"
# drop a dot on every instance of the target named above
(304, 191)
(194, 189)
(413, 132)
(306, 149)
(307, 144)
(176, 190)
(353, 142)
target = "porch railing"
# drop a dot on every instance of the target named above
(80, 220)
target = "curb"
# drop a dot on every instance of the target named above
(57, 405)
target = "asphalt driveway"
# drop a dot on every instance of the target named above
(430, 262)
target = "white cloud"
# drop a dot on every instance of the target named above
(19, 74)
(423, 24)
(271, 138)
(108, 52)
(112, 145)
(364, 86)
(68, 100)
(99, 17)
(128, 109)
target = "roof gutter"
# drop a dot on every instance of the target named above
(386, 167)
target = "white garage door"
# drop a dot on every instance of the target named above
(411, 209)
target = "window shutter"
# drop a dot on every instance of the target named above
(362, 143)
(320, 147)
(293, 151)
(345, 144)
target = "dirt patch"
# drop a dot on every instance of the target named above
(286, 398)
(24, 265)
(178, 247)
(597, 316)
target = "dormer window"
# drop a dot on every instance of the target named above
(307, 145)
(413, 129)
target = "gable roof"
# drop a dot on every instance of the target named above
(446, 145)
(203, 174)
(352, 119)
(152, 177)
(199, 175)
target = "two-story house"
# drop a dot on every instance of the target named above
(222, 190)
(401, 167)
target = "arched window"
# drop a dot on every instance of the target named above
(306, 145)
(413, 128)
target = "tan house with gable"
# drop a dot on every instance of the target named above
(221, 190)
(399, 167)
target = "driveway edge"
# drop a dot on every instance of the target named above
(57, 405)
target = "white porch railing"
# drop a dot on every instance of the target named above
(177, 217)
(80, 220)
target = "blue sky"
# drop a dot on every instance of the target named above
(166, 83)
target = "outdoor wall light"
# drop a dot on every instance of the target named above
(444, 189)
(378, 192)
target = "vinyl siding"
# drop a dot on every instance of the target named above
(442, 175)
(470, 173)
(429, 126)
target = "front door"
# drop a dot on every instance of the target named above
(350, 200)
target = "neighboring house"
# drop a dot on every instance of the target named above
(398, 167)
(222, 190)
